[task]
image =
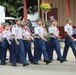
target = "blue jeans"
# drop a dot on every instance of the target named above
(69, 43)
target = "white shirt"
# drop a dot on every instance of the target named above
(7, 33)
(69, 29)
(27, 34)
(17, 31)
(39, 30)
(53, 29)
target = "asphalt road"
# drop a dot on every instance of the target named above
(54, 68)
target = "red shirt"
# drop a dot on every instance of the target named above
(1, 29)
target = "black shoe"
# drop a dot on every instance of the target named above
(51, 59)
(48, 61)
(44, 60)
(13, 65)
(31, 61)
(61, 61)
(75, 57)
(65, 60)
(36, 63)
(3, 63)
(25, 64)
(58, 59)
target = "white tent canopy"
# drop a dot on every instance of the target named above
(7, 18)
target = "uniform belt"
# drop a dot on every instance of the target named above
(19, 39)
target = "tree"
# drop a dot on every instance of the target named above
(14, 7)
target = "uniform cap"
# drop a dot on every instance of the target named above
(17, 19)
(25, 24)
(43, 23)
(39, 19)
(68, 19)
(52, 19)
(5, 24)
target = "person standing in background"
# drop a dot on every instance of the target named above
(1, 38)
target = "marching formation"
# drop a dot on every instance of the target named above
(17, 39)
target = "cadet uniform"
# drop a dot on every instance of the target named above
(68, 41)
(19, 49)
(39, 44)
(54, 42)
(27, 44)
(5, 44)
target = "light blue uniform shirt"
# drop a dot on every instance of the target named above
(53, 29)
(17, 31)
(39, 30)
(7, 33)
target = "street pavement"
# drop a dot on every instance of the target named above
(54, 68)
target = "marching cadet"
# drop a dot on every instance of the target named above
(27, 38)
(47, 42)
(54, 40)
(39, 43)
(6, 43)
(17, 33)
(69, 40)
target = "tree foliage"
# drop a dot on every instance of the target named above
(14, 8)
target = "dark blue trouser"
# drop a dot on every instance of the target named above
(0, 50)
(55, 44)
(69, 43)
(48, 48)
(39, 45)
(4, 46)
(19, 49)
(27, 46)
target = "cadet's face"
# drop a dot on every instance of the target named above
(53, 23)
(56, 23)
(70, 22)
(26, 27)
(39, 23)
(43, 25)
(7, 27)
(18, 22)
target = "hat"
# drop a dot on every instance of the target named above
(52, 19)
(39, 19)
(68, 19)
(5, 24)
(17, 19)
(25, 24)
(43, 23)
